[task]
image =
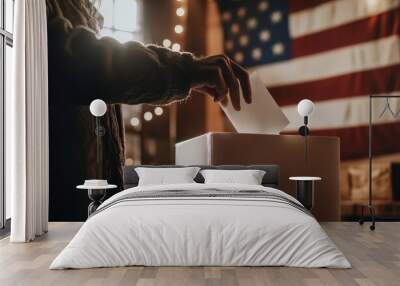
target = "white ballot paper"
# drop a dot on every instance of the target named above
(262, 116)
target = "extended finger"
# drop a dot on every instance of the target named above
(225, 101)
(244, 79)
(231, 80)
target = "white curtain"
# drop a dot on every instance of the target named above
(27, 124)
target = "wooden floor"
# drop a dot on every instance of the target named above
(375, 257)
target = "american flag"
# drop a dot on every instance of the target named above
(334, 52)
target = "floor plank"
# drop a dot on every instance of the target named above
(375, 257)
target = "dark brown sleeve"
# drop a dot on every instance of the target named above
(129, 73)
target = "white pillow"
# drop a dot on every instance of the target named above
(163, 176)
(248, 177)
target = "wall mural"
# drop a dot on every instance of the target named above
(95, 52)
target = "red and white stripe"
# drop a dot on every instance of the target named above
(343, 51)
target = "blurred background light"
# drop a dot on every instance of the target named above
(180, 11)
(148, 116)
(178, 29)
(167, 43)
(176, 47)
(158, 111)
(135, 122)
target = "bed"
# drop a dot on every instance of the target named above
(201, 224)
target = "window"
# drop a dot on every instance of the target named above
(121, 20)
(6, 43)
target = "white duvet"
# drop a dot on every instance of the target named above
(200, 231)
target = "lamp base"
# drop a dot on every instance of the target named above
(303, 130)
(96, 197)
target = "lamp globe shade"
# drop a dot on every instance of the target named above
(98, 107)
(305, 107)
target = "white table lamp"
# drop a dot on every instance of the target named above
(305, 108)
(98, 108)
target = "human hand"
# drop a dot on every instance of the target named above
(218, 75)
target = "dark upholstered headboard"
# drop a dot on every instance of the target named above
(271, 177)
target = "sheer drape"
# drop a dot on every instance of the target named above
(27, 124)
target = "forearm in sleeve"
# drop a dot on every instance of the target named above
(128, 73)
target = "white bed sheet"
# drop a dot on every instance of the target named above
(202, 232)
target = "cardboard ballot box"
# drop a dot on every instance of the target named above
(287, 151)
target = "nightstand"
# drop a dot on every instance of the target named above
(96, 194)
(305, 190)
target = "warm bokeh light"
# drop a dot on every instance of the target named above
(134, 121)
(148, 116)
(167, 43)
(176, 47)
(158, 111)
(180, 11)
(178, 29)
